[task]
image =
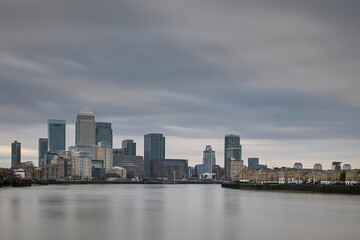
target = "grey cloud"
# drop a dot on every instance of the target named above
(197, 69)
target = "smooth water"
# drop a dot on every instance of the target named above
(171, 212)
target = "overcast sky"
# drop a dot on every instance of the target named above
(285, 75)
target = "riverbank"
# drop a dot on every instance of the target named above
(129, 182)
(16, 183)
(337, 189)
(25, 183)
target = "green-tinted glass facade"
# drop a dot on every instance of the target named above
(104, 133)
(154, 148)
(56, 135)
(43, 147)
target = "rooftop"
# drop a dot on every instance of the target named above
(86, 111)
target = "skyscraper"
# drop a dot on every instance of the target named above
(232, 149)
(85, 128)
(154, 148)
(15, 153)
(104, 133)
(129, 147)
(56, 135)
(43, 148)
(209, 159)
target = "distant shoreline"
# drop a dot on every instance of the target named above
(28, 183)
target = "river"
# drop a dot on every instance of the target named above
(173, 212)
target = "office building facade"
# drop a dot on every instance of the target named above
(104, 133)
(209, 159)
(134, 166)
(232, 149)
(253, 163)
(117, 153)
(15, 153)
(173, 169)
(154, 148)
(82, 165)
(42, 149)
(200, 169)
(105, 153)
(85, 148)
(129, 147)
(56, 135)
(85, 128)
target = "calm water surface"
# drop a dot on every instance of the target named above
(172, 212)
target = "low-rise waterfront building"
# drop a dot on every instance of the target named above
(219, 172)
(352, 175)
(170, 168)
(82, 165)
(6, 174)
(119, 172)
(200, 169)
(291, 175)
(235, 167)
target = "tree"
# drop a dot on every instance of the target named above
(343, 176)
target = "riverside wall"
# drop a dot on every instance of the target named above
(336, 189)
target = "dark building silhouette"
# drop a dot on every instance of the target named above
(232, 149)
(15, 154)
(154, 148)
(129, 147)
(43, 148)
(253, 163)
(170, 168)
(56, 135)
(104, 133)
(336, 166)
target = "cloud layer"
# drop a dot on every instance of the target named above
(280, 74)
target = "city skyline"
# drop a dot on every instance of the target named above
(283, 75)
(231, 146)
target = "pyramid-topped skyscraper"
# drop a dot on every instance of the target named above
(85, 128)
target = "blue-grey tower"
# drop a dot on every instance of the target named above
(104, 133)
(15, 154)
(43, 147)
(154, 148)
(56, 135)
(253, 163)
(129, 147)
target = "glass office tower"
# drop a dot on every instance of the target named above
(154, 148)
(104, 133)
(232, 149)
(56, 135)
